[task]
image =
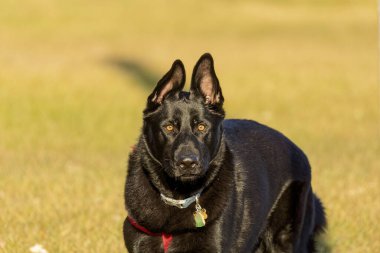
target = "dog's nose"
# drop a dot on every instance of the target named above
(188, 162)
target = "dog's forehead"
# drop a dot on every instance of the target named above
(184, 109)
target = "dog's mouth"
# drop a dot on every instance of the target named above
(185, 176)
(189, 177)
(186, 181)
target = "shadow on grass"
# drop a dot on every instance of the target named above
(145, 77)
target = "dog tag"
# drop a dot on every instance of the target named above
(199, 220)
(200, 215)
(204, 213)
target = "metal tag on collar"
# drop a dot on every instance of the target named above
(200, 214)
(180, 203)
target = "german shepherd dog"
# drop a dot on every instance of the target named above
(199, 183)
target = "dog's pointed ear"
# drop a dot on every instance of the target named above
(172, 81)
(205, 82)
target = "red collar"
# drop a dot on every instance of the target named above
(166, 238)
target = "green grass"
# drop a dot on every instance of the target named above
(74, 76)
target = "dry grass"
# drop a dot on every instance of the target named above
(74, 76)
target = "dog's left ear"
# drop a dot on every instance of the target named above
(205, 82)
(171, 82)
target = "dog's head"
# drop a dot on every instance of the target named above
(183, 130)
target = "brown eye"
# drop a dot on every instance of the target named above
(169, 128)
(201, 127)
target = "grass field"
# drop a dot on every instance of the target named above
(74, 76)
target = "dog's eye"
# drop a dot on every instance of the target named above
(169, 128)
(201, 127)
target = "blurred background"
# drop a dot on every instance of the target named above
(74, 77)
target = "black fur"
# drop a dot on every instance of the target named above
(255, 181)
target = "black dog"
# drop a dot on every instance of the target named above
(199, 183)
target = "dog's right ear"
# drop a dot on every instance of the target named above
(172, 81)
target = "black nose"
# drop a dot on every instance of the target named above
(188, 162)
